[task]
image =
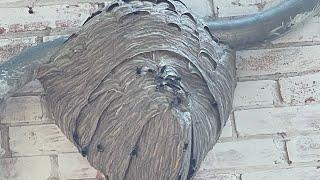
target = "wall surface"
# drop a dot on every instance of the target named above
(273, 133)
(228, 8)
(27, 23)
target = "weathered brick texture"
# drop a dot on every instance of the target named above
(307, 173)
(277, 120)
(239, 154)
(278, 61)
(242, 7)
(25, 168)
(252, 94)
(227, 130)
(21, 110)
(304, 148)
(300, 90)
(36, 140)
(217, 177)
(74, 166)
(44, 17)
(273, 133)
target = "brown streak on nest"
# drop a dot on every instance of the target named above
(181, 95)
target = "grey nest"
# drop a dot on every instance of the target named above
(142, 90)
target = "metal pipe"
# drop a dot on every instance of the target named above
(19, 70)
(243, 32)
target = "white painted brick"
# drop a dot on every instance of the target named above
(25, 168)
(307, 173)
(22, 110)
(304, 148)
(279, 60)
(18, 41)
(255, 93)
(11, 47)
(44, 17)
(200, 8)
(202, 176)
(243, 7)
(227, 130)
(240, 154)
(308, 32)
(277, 120)
(300, 89)
(38, 140)
(74, 166)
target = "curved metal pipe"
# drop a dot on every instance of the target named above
(19, 70)
(246, 31)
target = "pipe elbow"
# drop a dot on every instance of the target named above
(243, 32)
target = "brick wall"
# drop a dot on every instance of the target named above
(31, 146)
(27, 23)
(272, 134)
(276, 120)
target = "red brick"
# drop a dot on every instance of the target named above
(2, 30)
(36, 26)
(300, 90)
(51, 16)
(278, 61)
(67, 23)
(16, 28)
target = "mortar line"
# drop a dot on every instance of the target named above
(5, 141)
(54, 164)
(269, 136)
(276, 76)
(278, 92)
(235, 133)
(245, 108)
(287, 157)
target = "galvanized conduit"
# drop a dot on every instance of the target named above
(243, 32)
